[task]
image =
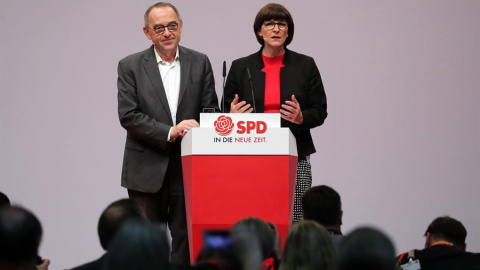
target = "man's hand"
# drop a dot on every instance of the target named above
(44, 265)
(240, 107)
(291, 111)
(180, 129)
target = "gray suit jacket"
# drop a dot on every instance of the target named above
(144, 112)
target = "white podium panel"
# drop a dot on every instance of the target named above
(206, 141)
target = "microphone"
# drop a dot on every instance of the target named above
(223, 94)
(224, 69)
(251, 87)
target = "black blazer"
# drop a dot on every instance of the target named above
(440, 257)
(299, 77)
(144, 112)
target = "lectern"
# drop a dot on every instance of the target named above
(237, 166)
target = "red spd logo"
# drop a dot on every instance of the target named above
(224, 125)
(245, 127)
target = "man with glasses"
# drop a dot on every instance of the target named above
(161, 92)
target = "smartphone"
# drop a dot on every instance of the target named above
(217, 240)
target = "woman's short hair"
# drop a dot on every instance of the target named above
(273, 11)
(308, 246)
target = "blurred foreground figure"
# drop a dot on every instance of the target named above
(308, 246)
(366, 249)
(4, 201)
(111, 220)
(20, 236)
(444, 248)
(139, 245)
(323, 205)
(237, 249)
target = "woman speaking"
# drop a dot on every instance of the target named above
(283, 82)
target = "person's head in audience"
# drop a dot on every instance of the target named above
(4, 201)
(139, 245)
(248, 248)
(113, 217)
(20, 236)
(237, 249)
(446, 229)
(308, 246)
(366, 248)
(218, 252)
(262, 231)
(323, 205)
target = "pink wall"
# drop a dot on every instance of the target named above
(401, 143)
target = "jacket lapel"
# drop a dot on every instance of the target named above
(185, 65)
(286, 74)
(258, 82)
(151, 67)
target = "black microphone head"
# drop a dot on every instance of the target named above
(224, 68)
(248, 72)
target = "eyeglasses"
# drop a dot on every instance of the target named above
(271, 25)
(160, 29)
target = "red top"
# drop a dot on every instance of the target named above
(272, 83)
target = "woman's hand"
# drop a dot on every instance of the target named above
(291, 111)
(239, 107)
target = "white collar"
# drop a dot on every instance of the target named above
(160, 60)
